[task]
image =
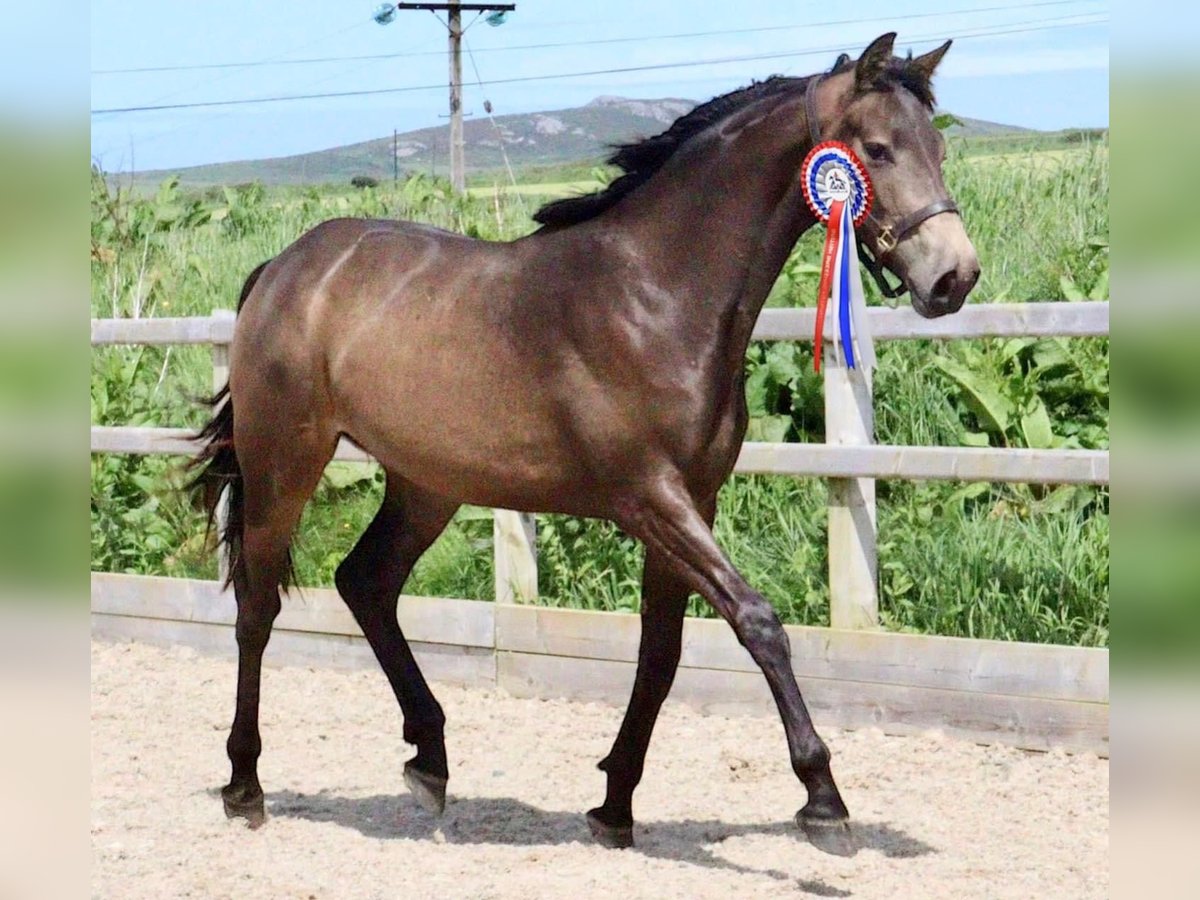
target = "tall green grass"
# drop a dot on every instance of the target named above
(981, 560)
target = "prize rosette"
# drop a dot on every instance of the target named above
(838, 191)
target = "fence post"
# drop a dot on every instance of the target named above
(853, 564)
(220, 375)
(514, 537)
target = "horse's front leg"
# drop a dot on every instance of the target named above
(669, 523)
(664, 601)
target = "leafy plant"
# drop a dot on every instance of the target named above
(986, 560)
(783, 394)
(945, 120)
(1006, 392)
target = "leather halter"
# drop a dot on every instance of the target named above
(889, 235)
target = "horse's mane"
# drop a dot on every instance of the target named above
(639, 160)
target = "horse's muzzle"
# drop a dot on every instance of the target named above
(949, 291)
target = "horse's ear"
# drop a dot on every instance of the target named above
(871, 64)
(926, 63)
(842, 60)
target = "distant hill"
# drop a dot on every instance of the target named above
(978, 128)
(556, 137)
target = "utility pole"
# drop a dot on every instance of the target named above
(395, 159)
(458, 179)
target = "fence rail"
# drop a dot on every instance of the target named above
(1088, 319)
(981, 689)
(816, 460)
(1035, 696)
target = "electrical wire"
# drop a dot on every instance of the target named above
(272, 61)
(1036, 25)
(589, 43)
(487, 108)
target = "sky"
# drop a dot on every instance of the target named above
(1036, 63)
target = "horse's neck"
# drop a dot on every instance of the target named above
(717, 231)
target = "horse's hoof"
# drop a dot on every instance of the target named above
(428, 790)
(238, 806)
(829, 835)
(615, 837)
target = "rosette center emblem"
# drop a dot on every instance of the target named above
(832, 173)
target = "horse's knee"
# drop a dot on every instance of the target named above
(758, 628)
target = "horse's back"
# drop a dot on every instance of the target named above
(407, 338)
(335, 275)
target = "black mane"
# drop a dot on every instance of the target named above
(639, 160)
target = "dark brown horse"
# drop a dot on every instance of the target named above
(593, 368)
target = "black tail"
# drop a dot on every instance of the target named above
(216, 465)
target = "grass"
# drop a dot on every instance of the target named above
(550, 189)
(983, 560)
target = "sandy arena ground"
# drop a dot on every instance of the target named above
(935, 817)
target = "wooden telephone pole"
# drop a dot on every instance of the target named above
(458, 179)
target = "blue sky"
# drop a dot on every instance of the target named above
(1038, 63)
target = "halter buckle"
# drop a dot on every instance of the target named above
(886, 242)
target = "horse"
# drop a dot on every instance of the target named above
(593, 367)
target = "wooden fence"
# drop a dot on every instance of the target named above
(853, 674)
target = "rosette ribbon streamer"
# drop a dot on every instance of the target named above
(838, 191)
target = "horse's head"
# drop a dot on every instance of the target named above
(882, 106)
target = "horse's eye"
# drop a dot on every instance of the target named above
(877, 152)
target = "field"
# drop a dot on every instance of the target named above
(975, 559)
(541, 189)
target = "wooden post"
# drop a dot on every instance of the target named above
(220, 375)
(458, 180)
(515, 556)
(853, 564)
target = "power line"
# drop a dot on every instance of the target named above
(154, 136)
(269, 61)
(599, 41)
(487, 108)
(368, 92)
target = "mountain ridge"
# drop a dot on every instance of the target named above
(582, 134)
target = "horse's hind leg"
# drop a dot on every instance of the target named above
(277, 479)
(370, 580)
(664, 602)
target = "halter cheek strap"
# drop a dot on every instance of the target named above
(888, 235)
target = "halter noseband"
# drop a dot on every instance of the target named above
(889, 234)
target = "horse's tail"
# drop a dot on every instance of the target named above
(216, 466)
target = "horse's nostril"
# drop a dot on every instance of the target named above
(944, 286)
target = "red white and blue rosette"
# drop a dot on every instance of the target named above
(838, 191)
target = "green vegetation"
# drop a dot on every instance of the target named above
(982, 560)
(530, 176)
